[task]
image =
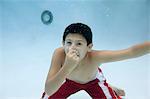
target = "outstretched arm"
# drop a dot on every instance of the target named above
(131, 52)
(58, 71)
(140, 49)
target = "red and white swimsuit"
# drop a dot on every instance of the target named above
(97, 89)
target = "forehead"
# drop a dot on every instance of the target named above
(78, 37)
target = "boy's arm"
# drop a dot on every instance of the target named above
(57, 73)
(52, 83)
(132, 52)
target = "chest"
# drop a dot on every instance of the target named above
(84, 73)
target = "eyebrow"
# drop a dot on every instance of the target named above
(77, 40)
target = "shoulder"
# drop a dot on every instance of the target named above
(93, 55)
(59, 55)
(59, 50)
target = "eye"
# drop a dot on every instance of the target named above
(79, 43)
(68, 43)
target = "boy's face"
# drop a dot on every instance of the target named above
(76, 42)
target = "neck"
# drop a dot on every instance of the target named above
(84, 60)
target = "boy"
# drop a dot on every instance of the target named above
(77, 63)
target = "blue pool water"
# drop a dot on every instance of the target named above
(27, 44)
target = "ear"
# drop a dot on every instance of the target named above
(90, 47)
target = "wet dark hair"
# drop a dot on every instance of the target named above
(79, 28)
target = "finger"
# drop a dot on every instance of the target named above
(72, 55)
(71, 52)
(74, 52)
(77, 57)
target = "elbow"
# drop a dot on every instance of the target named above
(48, 90)
(48, 93)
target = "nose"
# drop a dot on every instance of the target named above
(73, 47)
